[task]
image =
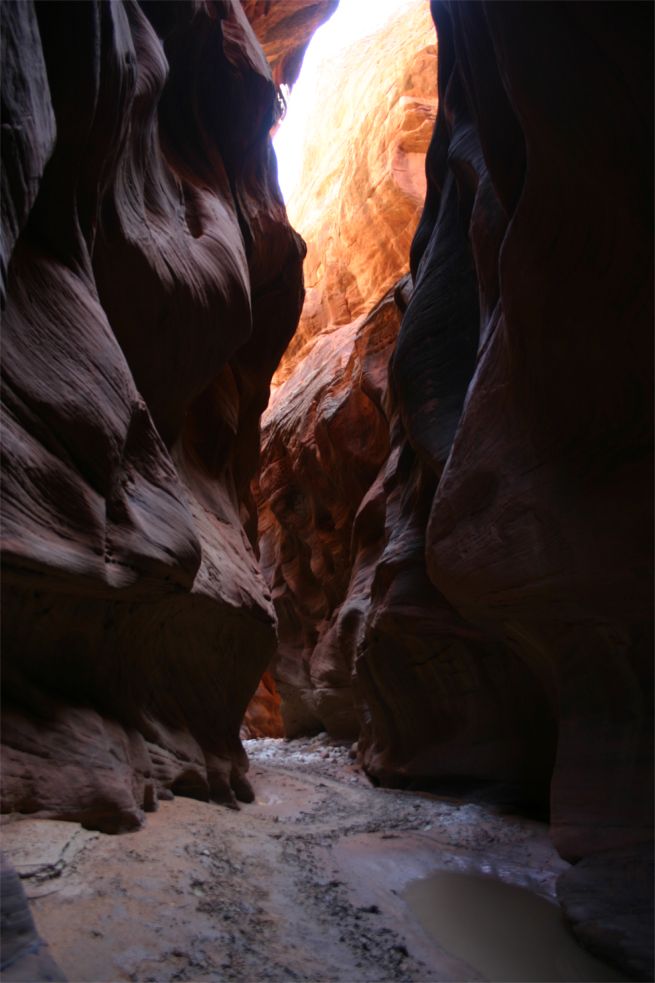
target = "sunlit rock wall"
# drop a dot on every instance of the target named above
(151, 282)
(325, 436)
(263, 717)
(326, 431)
(363, 174)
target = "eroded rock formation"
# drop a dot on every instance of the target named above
(326, 431)
(284, 28)
(364, 171)
(152, 283)
(455, 514)
(540, 527)
(481, 613)
(263, 717)
(325, 436)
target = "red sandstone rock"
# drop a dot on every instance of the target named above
(326, 429)
(263, 717)
(325, 436)
(153, 285)
(497, 610)
(540, 531)
(363, 163)
(549, 552)
(285, 28)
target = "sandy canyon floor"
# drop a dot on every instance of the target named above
(322, 878)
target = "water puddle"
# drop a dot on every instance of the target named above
(505, 932)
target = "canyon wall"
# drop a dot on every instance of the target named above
(531, 397)
(460, 553)
(531, 401)
(151, 282)
(326, 430)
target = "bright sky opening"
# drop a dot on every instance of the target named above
(352, 20)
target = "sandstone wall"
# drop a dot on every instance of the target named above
(363, 171)
(151, 282)
(326, 430)
(540, 528)
(481, 613)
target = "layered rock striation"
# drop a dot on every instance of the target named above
(326, 430)
(363, 171)
(325, 435)
(151, 283)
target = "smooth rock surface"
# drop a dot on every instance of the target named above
(608, 900)
(153, 284)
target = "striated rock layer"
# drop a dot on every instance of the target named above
(325, 435)
(326, 430)
(363, 166)
(481, 612)
(151, 283)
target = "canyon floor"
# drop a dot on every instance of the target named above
(322, 878)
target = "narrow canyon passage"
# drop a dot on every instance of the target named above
(327, 490)
(311, 881)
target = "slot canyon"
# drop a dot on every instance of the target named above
(327, 540)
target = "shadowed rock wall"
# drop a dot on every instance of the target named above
(540, 531)
(540, 528)
(151, 283)
(494, 634)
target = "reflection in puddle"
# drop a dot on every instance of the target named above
(506, 933)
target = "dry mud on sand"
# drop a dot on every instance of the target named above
(310, 882)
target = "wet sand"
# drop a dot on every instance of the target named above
(322, 878)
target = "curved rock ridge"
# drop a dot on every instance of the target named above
(152, 284)
(364, 171)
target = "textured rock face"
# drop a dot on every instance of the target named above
(152, 282)
(533, 287)
(496, 623)
(23, 954)
(326, 431)
(284, 28)
(364, 172)
(325, 436)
